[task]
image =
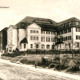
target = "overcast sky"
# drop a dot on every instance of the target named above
(57, 10)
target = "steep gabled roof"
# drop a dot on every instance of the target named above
(24, 41)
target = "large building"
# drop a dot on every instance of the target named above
(33, 33)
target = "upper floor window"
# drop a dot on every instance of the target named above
(65, 31)
(34, 31)
(52, 32)
(77, 29)
(69, 37)
(43, 39)
(43, 32)
(47, 39)
(47, 32)
(77, 37)
(52, 39)
(69, 30)
(34, 38)
(77, 23)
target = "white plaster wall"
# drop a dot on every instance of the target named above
(14, 38)
(33, 27)
(36, 27)
(48, 43)
(22, 47)
(21, 34)
(74, 38)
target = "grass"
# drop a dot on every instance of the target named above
(57, 61)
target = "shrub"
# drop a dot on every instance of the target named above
(26, 61)
(73, 65)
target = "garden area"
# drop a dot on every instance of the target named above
(62, 61)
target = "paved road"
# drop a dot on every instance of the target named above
(13, 71)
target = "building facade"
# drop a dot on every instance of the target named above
(43, 34)
(27, 35)
(69, 33)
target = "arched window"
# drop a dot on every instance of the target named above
(48, 46)
(42, 46)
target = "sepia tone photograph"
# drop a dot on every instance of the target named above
(39, 39)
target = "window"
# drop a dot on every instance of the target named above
(43, 32)
(65, 31)
(47, 32)
(24, 45)
(77, 29)
(48, 46)
(47, 39)
(43, 46)
(30, 31)
(58, 33)
(31, 37)
(69, 45)
(34, 38)
(37, 46)
(31, 45)
(76, 23)
(77, 37)
(77, 44)
(43, 39)
(52, 32)
(52, 39)
(37, 32)
(69, 30)
(69, 37)
(65, 38)
(33, 31)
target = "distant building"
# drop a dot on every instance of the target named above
(3, 39)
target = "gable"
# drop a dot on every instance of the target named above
(34, 25)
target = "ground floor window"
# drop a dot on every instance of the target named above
(48, 46)
(31, 45)
(24, 45)
(42, 46)
(77, 44)
(37, 46)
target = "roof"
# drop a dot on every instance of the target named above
(47, 27)
(40, 21)
(68, 23)
(68, 20)
(24, 41)
(13, 26)
(5, 29)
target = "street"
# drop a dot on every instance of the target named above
(13, 71)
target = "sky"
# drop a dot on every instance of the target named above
(57, 10)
